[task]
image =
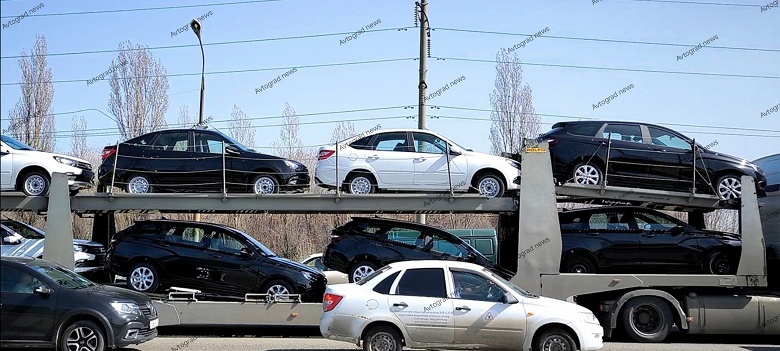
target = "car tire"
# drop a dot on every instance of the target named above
(554, 339)
(36, 183)
(277, 286)
(647, 319)
(143, 277)
(139, 184)
(720, 264)
(360, 183)
(490, 185)
(82, 335)
(382, 338)
(361, 270)
(265, 184)
(578, 264)
(729, 186)
(587, 174)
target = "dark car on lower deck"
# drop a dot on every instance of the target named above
(639, 240)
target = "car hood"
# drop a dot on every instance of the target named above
(294, 265)
(492, 158)
(727, 157)
(554, 304)
(83, 242)
(41, 153)
(116, 293)
(721, 235)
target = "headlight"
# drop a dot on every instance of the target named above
(308, 275)
(291, 164)
(126, 307)
(66, 161)
(77, 248)
(589, 317)
(512, 162)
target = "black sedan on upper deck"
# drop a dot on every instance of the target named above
(644, 155)
(193, 160)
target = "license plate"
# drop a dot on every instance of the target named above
(153, 323)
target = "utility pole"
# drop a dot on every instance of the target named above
(423, 85)
(196, 27)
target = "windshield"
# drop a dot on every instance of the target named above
(26, 231)
(235, 142)
(63, 276)
(15, 144)
(458, 145)
(512, 286)
(264, 250)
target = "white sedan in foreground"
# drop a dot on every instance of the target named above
(452, 305)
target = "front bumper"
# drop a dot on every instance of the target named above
(297, 182)
(591, 336)
(133, 333)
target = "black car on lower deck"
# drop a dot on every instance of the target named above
(46, 305)
(644, 155)
(639, 240)
(208, 257)
(363, 245)
(187, 160)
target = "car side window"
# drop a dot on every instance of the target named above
(317, 264)
(142, 140)
(407, 236)
(650, 221)
(573, 223)
(428, 143)
(384, 286)
(190, 236)
(586, 129)
(393, 141)
(225, 242)
(13, 280)
(173, 141)
(208, 143)
(662, 137)
(362, 143)
(424, 282)
(623, 132)
(442, 245)
(470, 286)
(611, 221)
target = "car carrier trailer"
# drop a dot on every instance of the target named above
(645, 305)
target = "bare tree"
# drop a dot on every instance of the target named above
(342, 131)
(513, 117)
(290, 145)
(241, 127)
(139, 91)
(185, 120)
(78, 142)
(30, 120)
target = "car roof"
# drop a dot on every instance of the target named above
(19, 259)
(177, 221)
(568, 123)
(606, 208)
(398, 221)
(436, 264)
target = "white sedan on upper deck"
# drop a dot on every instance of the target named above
(413, 160)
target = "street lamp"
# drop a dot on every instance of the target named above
(195, 24)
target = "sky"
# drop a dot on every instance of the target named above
(590, 50)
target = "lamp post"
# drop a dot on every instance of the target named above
(195, 24)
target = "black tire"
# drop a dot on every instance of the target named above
(35, 183)
(278, 286)
(85, 331)
(147, 278)
(139, 184)
(729, 186)
(382, 338)
(721, 264)
(361, 270)
(360, 183)
(550, 338)
(647, 319)
(578, 264)
(587, 174)
(491, 185)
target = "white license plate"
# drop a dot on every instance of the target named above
(153, 323)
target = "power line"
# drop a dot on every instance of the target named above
(614, 68)
(605, 40)
(143, 9)
(697, 3)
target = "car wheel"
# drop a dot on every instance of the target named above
(719, 263)
(382, 338)
(143, 277)
(491, 185)
(647, 319)
(277, 286)
(361, 270)
(361, 183)
(579, 264)
(587, 174)
(36, 183)
(139, 184)
(82, 336)
(729, 187)
(554, 339)
(265, 184)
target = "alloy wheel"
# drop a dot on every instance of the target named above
(489, 187)
(35, 185)
(360, 185)
(555, 343)
(142, 278)
(82, 339)
(587, 174)
(278, 289)
(730, 188)
(382, 341)
(265, 185)
(138, 185)
(361, 272)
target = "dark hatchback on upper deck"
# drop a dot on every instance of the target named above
(192, 160)
(644, 155)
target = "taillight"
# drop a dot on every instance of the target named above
(335, 238)
(552, 141)
(330, 301)
(325, 154)
(107, 153)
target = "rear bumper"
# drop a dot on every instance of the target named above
(341, 327)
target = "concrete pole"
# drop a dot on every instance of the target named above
(423, 85)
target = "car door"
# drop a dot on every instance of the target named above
(207, 159)
(628, 154)
(481, 318)
(168, 161)
(6, 166)
(25, 314)
(613, 240)
(419, 300)
(662, 247)
(228, 267)
(184, 257)
(671, 157)
(431, 171)
(392, 160)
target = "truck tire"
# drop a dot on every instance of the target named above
(647, 319)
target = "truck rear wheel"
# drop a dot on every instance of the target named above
(647, 319)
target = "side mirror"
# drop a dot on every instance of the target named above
(677, 230)
(232, 150)
(4, 152)
(43, 290)
(509, 299)
(455, 152)
(246, 253)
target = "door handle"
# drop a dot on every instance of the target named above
(216, 255)
(463, 308)
(420, 159)
(400, 304)
(649, 235)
